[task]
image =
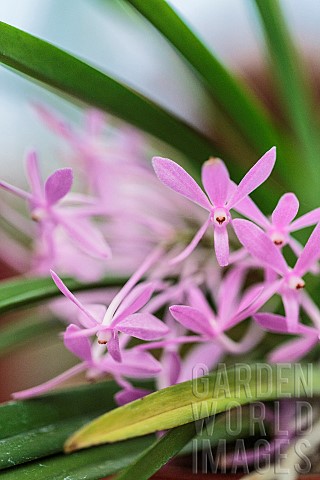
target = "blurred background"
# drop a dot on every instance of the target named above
(118, 41)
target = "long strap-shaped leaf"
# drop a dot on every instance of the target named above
(21, 292)
(193, 400)
(295, 92)
(232, 97)
(56, 68)
(158, 454)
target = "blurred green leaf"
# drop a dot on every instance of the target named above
(192, 400)
(159, 453)
(38, 427)
(14, 333)
(67, 74)
(247, 113)
(295, 96)
(24, 292)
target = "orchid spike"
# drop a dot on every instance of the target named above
(144, 326)
(260, 246)
(44, 203)
(223, 196)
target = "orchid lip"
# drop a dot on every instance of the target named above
(295, 282)
(220, 216)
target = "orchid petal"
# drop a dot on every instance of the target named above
(206, 355)
(171, 366)
(114, 347)
(192, 319)
(128, 395)
(144, 326)
(58, 185)
(33, 174)
(216, 180)
(291, 307)
(96, 310)
(310, 254)
(229, 292)
(221, 246)
(192, 245)
(293, 351)
(198, 300)
(176, 178)
(278, 324)
(135, 364)
(255, 177)
(79, 346)
(66, 292)
(249, 209)
(259, 245)
(286, 210)
(87, 237)
(310, 218)
(135, 300)
(16, 191)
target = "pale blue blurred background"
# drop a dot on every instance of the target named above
(121, 43)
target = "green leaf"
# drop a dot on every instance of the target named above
(294, 95)
(15, 333)
(69, 75)
(193, 400)
(90, 464)
(158, 454)
(242, 107)
(38, 427)
(21, 292)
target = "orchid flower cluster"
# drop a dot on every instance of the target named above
(190, 255)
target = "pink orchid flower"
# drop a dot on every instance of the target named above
(261, 247)
(44, 203)
(144, 326)
(282, 223)
(135, 364)
(223, 195)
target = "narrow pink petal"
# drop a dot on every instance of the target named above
(249, 296)
(206, 355)
(291, 307)
(176, 178)
(197, 299)
(135, 300)
(58, 185)
(310, 254)
(33, 174)
(259, 245)
(192, 245)
(66, 292)
(293, 351)
(171, 366)
(135, 363)
(221, 246)
(255, 177)
(86, 236)
(144, 326)
(80, 346)
(192, 319)
(16, 191)
(310, 218)
(94, 121)
(286, 210)
(55, 123)
(96, 310)
(45, 387)
(278, 324)
(229, 293)
(128, 395)
(114, 347)
(216, 180)
(249, 209)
